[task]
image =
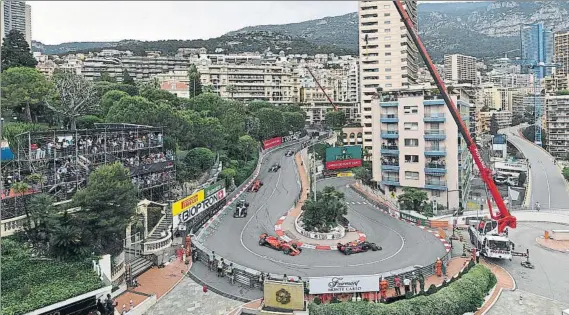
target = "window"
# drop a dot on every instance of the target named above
(436, 193)
(411, 109)
(411, 159)
(387, 69)
(388, 46)
(413, 126)
(387, 30)
(387, 77)
(388, 85)
(411, 142)
(386, 14)
(386, 22)
(388, 54)
(412, 175)
(387, 37)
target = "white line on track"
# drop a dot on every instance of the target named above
(547, 181)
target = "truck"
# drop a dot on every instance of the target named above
(491, 244)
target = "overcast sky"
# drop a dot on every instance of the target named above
(55, 22)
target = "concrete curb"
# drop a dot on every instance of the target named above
(549, 249)
(281, 234)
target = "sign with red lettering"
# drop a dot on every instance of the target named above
(271, 143)
(340, 164)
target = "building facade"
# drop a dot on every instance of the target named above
(558, 125)
(460, 68)
(561, 52)
(419, 145)
(537, 47)
(388, 57)
(16, 15)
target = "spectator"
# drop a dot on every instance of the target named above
(101, 308)
(110, 305)
(421, 282)
(407, 284)
(414, 282)
(220, 268)
(397, 285)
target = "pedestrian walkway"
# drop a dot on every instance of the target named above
(504, 282)
(560, 246)
(155, 281)
(253, 305)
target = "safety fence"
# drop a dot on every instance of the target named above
(249, 277)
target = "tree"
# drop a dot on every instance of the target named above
(247, 146)
(77, 97)
(209, 132)
(562, 92)
(335, 119)
(88, 121)
(363, 174)
(16, 52)
(103, 87)
(195, 83)
(126, 78)
(231, 89)
(106, 77)
(109, 99)
(294, 121)
(41, 221)
(412, 199)
(271, 123)
(108, 203)
(157, 96)
(24, 90)
(566, 173)
(199, 160)
(494, 127)
(255, 106)
(208, 103)
(323, 214)
(518, 119)
(485, 108)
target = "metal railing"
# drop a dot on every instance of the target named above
(435, 132)
(435, 165)
(434, 115)
(436, 182)
(386, 163)
(389, 147)
(389, 116)
(390, 132)
(442, 149)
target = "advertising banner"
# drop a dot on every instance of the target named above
(190, 201)
(335, 165)
(271, 143)
(345, 174)
(344, 284)
(204, 205)
(284, 295)
(210, 190)
(199, 220)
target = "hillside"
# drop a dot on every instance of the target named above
(481, 29)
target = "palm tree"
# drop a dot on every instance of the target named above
(67, 243)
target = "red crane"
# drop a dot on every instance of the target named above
(504, 218)
(321, 88)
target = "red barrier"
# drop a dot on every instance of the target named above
(334, 165)
(271, 143)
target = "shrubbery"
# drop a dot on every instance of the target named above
(461, 296)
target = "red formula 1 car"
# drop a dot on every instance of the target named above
(273, 242)
(357, 247)
(256, 185)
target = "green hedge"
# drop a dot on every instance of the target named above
(29, 284)
(463, 295)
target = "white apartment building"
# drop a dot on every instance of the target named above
(561, 53)
(388, 56)
(247, 82)
(460, 68)
(503, 118)
(140, 68)
(316, 111)
(420, 145)
(16, 15)
(558, 125)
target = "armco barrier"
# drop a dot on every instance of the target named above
(250, 277)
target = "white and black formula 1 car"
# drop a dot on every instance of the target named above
(241, 209)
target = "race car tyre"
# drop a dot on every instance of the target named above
(235, 215)
(286, 251)
(348, 251)
(262, 242)
(374, 247)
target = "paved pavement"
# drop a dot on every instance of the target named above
(548, 187)
(509, 304)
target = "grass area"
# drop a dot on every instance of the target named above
(30, 283)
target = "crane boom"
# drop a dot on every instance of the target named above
(505, 219)
(321, 88)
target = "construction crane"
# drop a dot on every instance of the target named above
(321, 88)
(503, 218)
(506, 52)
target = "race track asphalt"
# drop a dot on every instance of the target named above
(237, 239)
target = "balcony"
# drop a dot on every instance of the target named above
(389, 104)
(433, 100)
(435, 168)
(389, 164)
(390, 134)
(434, 117)
(435, 135)
(390, 149)
(390, 180)
(389, 118)
(435, 184)
(435, 151)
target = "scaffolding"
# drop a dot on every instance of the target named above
(58, 162)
